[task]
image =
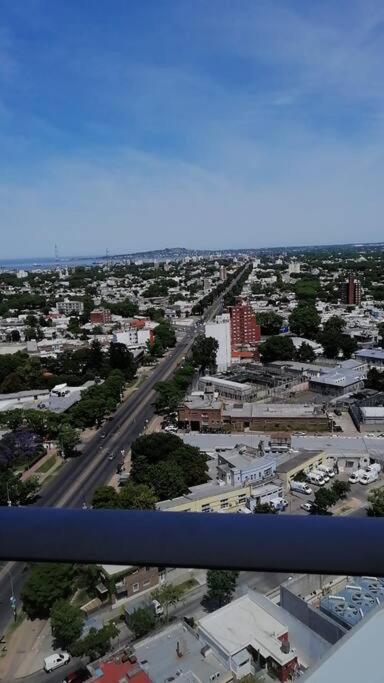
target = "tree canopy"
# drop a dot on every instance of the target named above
(221, 585)
(305, 320)
(270, 322)
(66, 623)
(277, 347)
(45, 585)
(164, 462)
(204, 350)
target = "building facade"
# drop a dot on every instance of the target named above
(244, 328)
(350, 291)
(100, 316)
(68, 307)
(220, 329)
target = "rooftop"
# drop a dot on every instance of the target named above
(288, 462)
(374, 411)
(269, 410)
(212, 488)
(221, 381)
(377, 354)
(244, 623)
(359, 653)
(158, 656)
(339, 379)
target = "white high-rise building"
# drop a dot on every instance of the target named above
(220, 329)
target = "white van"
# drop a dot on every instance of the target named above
(316, 478)
(157, 608)
(300, 486)
(327, 470)
(55, 661)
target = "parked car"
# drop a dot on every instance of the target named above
(78, 676)
(56, 660)
(112, 456)
(307, 506)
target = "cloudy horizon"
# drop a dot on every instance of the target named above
(184, 123)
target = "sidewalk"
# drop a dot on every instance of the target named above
(27, 647)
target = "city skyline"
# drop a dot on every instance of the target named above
(142, 126)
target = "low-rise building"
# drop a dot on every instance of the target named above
(215, 496)
(209, 414)
(247, 638)
(236, 391)
(290, 466)
(338, 383)
(177, 654)
(245, 464)
(373, 357)
(125, 581)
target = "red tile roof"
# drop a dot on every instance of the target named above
(114, 672)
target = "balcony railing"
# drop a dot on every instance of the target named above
(313, 544)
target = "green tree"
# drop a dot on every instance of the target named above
(15, 335)
(68, 438)
(66, 623)
(105, 497)
(305, 320)
(277, 347)
(96, 356)
(270, 322)
(375, 379)
(137, 497)
(324, 499)
(264, 508)
(204, 352)
(74, 325)
(122, 359)
(168, 480)
(45, 585)
(376, 501)
(340, 489)
(96, 643)
(141, 621)
(19, 492)
(168, 596)
(380, 329)
(305, 354)
(165, 334)
(221, 585)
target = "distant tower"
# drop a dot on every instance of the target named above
(57, 258)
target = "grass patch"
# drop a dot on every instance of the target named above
(188, 585)
(53, 474)
(47, 465)
(81, 598)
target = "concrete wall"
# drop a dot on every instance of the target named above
(308, 615)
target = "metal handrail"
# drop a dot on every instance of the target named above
(279, 543)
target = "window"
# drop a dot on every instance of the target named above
(135, 587)
(146, 584)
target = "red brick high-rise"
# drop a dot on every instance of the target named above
(244, 328)
(350, 291)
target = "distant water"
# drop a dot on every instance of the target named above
(48, 263)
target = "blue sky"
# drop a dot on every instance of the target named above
(200, 123)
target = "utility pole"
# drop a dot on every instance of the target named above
(12, 599)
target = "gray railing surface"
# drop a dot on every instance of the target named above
(312, 544)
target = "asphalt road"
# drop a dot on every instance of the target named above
(191, 605)
(78, 478)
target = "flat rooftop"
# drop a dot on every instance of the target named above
(376, 354)
(374, 411)
(289, 462)
(244, 623)
(158, 657)
(248, 458)
(222, 382)
(270, 410)
(198, 493)
(339, 379)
